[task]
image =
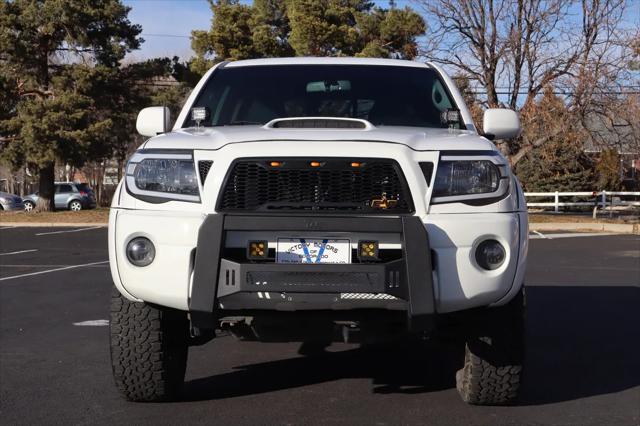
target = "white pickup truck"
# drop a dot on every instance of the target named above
(316, 200)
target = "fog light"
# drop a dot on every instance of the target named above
(368, 251)
(490, 255)
(257, 250)
(141, 251)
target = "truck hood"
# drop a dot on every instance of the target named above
(416, 138)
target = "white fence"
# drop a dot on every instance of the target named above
(601, 199)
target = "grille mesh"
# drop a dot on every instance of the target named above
(336, 186)
(367, 296)
(203, 169)
(321, 123)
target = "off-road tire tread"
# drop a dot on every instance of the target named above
(148, 349)
(493, 360)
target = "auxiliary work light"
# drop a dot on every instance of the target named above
(199, 114)
(257, 250)
(368, 251)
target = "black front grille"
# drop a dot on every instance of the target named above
(370, 186)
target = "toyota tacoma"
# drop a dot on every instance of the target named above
(318, 200)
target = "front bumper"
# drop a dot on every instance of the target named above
(457, 283)
(221, 285)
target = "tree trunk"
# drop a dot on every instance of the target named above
(46, 191)
(120, 162)
(23, 182)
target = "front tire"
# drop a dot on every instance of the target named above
(494, 355)
(29, 206)
(149, 347)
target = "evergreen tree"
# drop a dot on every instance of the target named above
(277, 28)
(559, 164)
(609, 176)
(325, 27)
(230, 36)
(393, 33)
(271, 28)
(47, 48)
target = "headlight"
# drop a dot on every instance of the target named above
(158, 177)
(466, 179)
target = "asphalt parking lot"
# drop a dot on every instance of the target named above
(582, 368)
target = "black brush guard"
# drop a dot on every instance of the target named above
(216, 279)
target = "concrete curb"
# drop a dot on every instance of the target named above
(616, 228)
(53, 225)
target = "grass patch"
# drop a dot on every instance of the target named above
(99, 215)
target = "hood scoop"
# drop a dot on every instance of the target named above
(319, 123)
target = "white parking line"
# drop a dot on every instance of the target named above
(18, 252)
(92, 323)
(6, 227)
(52, 270)
(568, 235)
(70, 230)
(22, 265)
(584, 234)
(541, 235)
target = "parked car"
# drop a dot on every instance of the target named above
(68, 195)
(10, 202)
(314, 200)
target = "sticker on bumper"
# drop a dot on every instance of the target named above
(305, 250)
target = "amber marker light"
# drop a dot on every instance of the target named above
(257, 250)
(275, 164)
(368, 251)
(356, 164)
(315, 164)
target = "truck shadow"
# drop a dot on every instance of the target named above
(581, 342)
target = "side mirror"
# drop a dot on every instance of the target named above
(501, 123)
(153, 120)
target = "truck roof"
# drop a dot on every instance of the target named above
(326, 61)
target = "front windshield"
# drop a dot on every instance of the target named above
(383, 95)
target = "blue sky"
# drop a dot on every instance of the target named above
(167, 24)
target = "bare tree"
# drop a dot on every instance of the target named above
(600, 95)
(515, 49)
